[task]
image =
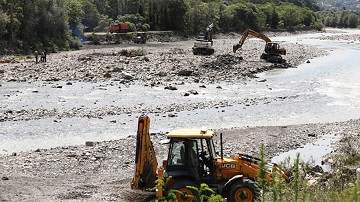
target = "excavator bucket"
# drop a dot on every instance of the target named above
(145, 159)
(236, 47)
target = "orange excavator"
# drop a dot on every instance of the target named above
(192, 160)
(272, 52)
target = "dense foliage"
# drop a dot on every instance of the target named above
(26, 25)
(340, 19)
(55, 24)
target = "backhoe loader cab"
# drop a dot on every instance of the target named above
(191, 154)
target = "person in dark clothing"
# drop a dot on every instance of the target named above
(45, 55)
(42, 58)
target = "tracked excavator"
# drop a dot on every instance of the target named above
(272, 52)
(203, 44)
(193, 160)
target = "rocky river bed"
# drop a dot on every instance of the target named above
(102, 171)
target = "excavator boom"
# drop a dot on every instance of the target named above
(145, 160)
(246, 34)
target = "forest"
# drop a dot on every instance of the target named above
(60, 24)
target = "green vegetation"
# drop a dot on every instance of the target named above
(171, 195)
(204, 192)
(340, 19)
(26, 26)
(338, 185)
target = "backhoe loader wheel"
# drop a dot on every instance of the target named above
(244, 190)
(188, 194)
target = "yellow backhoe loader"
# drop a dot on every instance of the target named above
(272, 52)
(192, 160)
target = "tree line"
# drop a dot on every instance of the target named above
(59, 24)
(341, 19)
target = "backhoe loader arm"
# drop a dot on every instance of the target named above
(246, 34)
(145, 160)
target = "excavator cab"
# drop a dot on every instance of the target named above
(274, 48)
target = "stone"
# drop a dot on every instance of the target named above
(107, 75)
(117, 69)
(89, 143)
(194, 92)
(185, 72)
(312, 182)
(162, 74)
(5, 178)
(170, 87)
(146, 59)
(126, 76)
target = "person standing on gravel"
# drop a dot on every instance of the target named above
(44, 55)
(36, 56)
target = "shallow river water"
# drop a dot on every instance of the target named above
(325, 90)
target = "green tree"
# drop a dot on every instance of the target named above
(172, 14)
(289, 14)
(271, 15)
(4, 20)
(91, 16)
(74, 14)
(201, 16)
(353, 20)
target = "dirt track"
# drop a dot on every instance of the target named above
(103, 172)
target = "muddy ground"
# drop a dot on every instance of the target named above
(103, 172)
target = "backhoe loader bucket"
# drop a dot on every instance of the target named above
(145, 159)
(235, 47)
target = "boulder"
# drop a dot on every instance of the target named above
(185, 72)
(126, 75)
(170, 87)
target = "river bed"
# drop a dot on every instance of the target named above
(325, 90)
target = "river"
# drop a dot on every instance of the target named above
(325, 90)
